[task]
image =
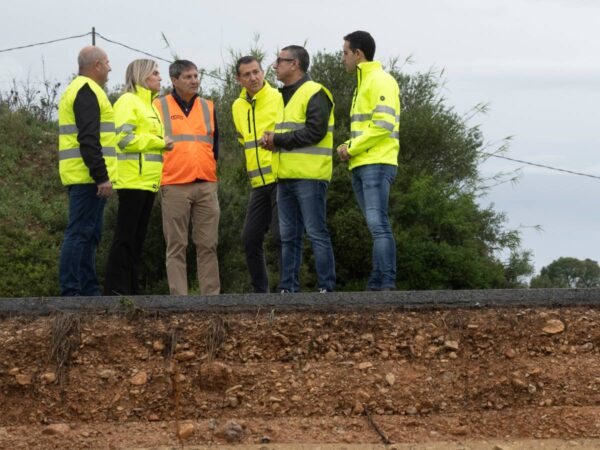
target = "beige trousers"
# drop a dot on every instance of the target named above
(179, 203)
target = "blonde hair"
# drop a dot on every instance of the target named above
(137, 72)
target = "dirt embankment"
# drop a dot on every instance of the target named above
(107, 381)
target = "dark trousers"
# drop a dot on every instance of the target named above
(78, 253)
(124, 259)
(261, 215)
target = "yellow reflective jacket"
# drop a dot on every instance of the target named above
(314, 162)
(71, 166)
(252, 117)
(140, 141)
(374, 117)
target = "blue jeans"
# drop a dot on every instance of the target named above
(371, 184)
(77, 271)
(302, 206)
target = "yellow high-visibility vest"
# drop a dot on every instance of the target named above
(70, 163)
(314, 162)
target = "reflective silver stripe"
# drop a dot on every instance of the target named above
(289, 126)
(384, 109)
(153, 157)
(256, 173)
(309, 151)
(192, 138)
(397, 118)
(126, 140)
(394, 135)
(72, 153)
(128, 156)
(69, 154)
(166, 116)
(109, 151)
(126, 127)
(107, 127)
(296, 126)
(360, 117)
(67, 129)
(383, 124)
(206, 114)
(249, 145)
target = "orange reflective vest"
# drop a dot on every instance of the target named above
(192, 158)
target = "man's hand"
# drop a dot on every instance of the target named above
(268, 140)
(169, 144)
(343, 152)
(105, 189)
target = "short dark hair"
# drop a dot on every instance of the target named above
(179, 66)
(246, 60)
(361, 40)
(298, 52)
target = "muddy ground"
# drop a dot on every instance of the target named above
(146, 380)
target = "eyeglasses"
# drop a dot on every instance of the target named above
(279, 59)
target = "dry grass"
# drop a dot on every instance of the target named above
(215, 336)
(65, 339)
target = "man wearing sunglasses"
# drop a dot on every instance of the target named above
(302, 144)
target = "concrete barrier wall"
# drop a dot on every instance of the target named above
(329, 302)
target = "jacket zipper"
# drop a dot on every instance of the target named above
(253, 106)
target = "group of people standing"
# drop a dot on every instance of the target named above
(146, 144)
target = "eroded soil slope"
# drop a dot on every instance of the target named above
(114, 381)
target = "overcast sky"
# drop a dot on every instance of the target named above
(536, 62)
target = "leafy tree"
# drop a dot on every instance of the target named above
(566, 272)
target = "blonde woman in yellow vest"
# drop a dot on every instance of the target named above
(140, 145)
(255, 111)
(87, 166)
(303, 145)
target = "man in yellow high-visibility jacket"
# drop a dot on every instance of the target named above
(372, 150)
(255, 111)
(87, 166)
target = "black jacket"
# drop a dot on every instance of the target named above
(317, 119)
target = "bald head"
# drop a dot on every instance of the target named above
(93, 63)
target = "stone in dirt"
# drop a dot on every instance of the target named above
(231, 431)
(451, 345)
(106, 374)
(186, 430)
(554, 326)
(57, 429)
(215, 376)
(185, 356)
(365, 365)
(23, 379)
(390, 378)
(48, 377)
(139, 378)
(158, 346)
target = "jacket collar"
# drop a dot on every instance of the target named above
(145, 94)
(260, 94)
(365, 68)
